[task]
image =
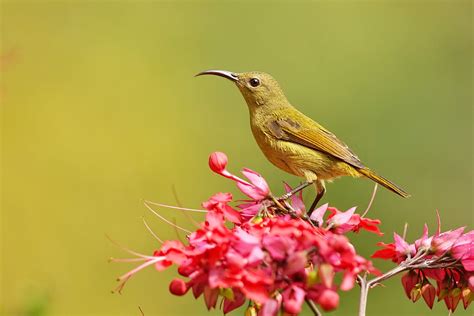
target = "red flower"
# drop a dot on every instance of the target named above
(439, 254)
(218, 203)
(342, 222)
(272, 257)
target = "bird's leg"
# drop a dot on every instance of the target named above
(321, 189)
(287, 195)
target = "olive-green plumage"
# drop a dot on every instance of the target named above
(292, 141)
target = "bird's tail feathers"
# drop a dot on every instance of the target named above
(384, 182)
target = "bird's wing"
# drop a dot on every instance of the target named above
(314, 136)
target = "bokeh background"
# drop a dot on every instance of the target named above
(100, 110)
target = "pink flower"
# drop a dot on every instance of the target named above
(268, 255)
(257, 189)
(402, 248)
(445, 241)
(463, 250)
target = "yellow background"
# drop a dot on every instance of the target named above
(100, 111)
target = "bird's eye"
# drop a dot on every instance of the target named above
(254, 82)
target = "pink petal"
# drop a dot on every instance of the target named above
(277, 246)
(445, 241)
(296, 200)
(318, 214)
(348, 281)
(257, 180)
(270, 308)
(293, 298)
(402, 247)
(232, 215)
(342, 217)
(251, 191)
(296, 262)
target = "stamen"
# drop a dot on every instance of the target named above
(164, 219)
(151, 231)
(178, 202)
(124, 278)
(127, 259)
(176, 207)
(129, 250)
(140, 267)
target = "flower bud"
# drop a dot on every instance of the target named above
(428, 292)
(328, 300)
(218, 162)
(409, 280)
(178, 287)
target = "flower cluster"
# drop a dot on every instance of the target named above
(447, 259)
(271, 256)
(270, 252)
(276, 262)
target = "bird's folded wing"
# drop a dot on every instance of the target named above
(315, 137)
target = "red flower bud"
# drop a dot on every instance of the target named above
(218, 162)
(428, 292)
(178, 287)
(328, 300)
(409, 280)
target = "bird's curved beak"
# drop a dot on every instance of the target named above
(221, 73)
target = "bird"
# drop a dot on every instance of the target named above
(294, 142)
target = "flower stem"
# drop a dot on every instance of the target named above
(313, 307)
(365, 285)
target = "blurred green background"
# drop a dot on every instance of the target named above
(100, 111)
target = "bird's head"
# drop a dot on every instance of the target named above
(258, 88)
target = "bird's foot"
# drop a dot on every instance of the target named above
(297, 189)
(285, 196)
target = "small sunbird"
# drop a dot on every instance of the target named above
(292, 141)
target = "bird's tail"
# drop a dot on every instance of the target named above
(382, 181)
